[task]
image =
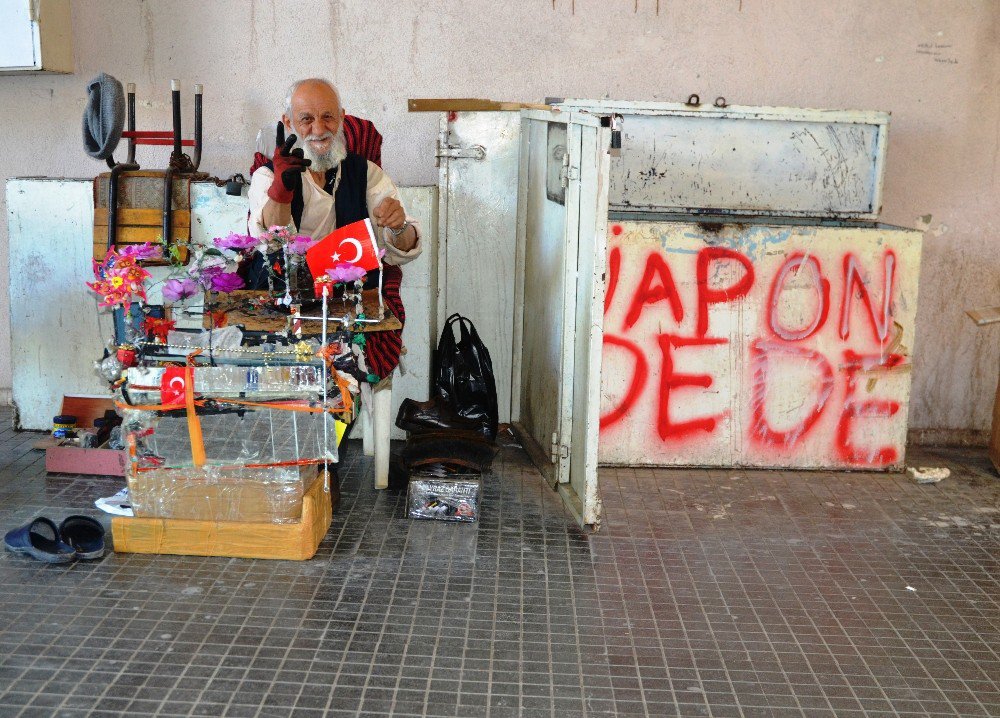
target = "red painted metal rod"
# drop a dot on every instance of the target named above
(154, 141)
(147, 133)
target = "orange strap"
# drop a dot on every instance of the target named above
(345, 392)
(193, 422)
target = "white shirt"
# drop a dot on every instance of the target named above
(319, 214)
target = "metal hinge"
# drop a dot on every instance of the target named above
(557, 450)
(454, 152)
(568, 172)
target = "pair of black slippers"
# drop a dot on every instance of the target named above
(77, 537)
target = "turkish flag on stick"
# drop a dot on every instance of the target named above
(352, 244)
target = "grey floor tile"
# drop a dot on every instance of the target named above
(715, 593)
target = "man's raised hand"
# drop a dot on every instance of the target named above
(288, 164)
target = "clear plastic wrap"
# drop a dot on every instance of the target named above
(454, 499)
(214, 493)
(258, 435)
(251, 382)
(260, 461)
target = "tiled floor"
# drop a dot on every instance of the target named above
(716, 593)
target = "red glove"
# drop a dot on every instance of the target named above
(288, 164)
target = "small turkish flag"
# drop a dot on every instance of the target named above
(352, 244)
(172, 385)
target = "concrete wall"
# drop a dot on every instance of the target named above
(934, 64)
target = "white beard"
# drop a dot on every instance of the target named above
(329, 159)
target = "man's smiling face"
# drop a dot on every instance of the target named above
(316, 118)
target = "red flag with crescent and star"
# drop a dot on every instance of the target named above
(172, 385)
(353, 244)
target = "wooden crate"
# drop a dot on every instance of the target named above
(140, 211)
(291, 542)
(137, 226)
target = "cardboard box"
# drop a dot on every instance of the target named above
(245, 495)
(294, 542)
(74, 459)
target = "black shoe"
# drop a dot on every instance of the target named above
(419, 417)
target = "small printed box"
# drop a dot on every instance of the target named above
(452, 499)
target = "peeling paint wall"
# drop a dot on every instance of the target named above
(935, 65)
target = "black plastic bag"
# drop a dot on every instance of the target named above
(464, 374)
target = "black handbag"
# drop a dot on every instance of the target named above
(463, 374)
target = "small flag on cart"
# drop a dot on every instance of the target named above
(351, 244)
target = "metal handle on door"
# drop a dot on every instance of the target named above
(475, 152)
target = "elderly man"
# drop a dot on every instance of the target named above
(315, 184)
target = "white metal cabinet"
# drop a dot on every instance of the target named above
(694, 178)
(38, 36)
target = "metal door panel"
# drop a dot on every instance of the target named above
(477, 233)
(560, 296)
(544, 286)
(582, 492)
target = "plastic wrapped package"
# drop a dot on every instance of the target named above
(256, 383)
(259, 461)
(257, 435)
(230, 337)
(453, 499)
(214, 493)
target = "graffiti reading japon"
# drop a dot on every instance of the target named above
(752, 347)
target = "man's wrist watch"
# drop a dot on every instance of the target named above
(397, 232)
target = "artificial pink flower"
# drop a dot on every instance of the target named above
(236, 242)
(279, 233)
(299, 244)
(344, 272)
(174, 290)
(118, 278)
(141, 252)
(225, 282)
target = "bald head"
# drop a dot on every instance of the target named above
(314, 114)
(311, 85)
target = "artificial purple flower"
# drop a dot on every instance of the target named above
(299, 244)
(141, 252)
(206, 273)
(225, 282)
(344, 272)
(174, 290)
(236, 242)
